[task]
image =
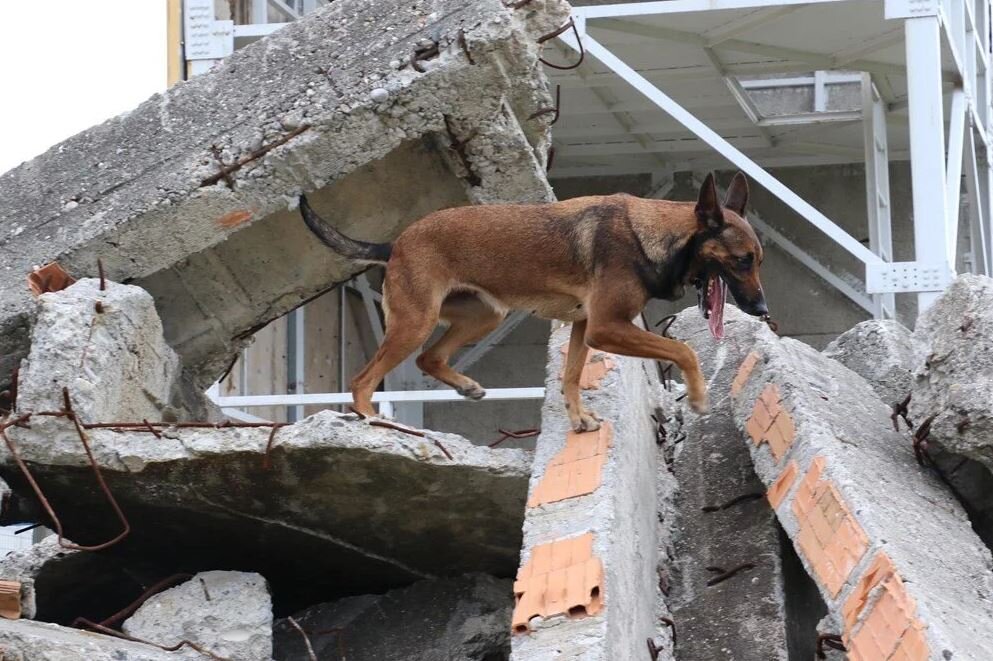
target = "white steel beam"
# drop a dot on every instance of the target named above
(953, 171)
(684, 6)
(877, 186)
(746, 23)
(379, 397)
(977, 209)
(927, 144)
(473, 354)
(705, 133)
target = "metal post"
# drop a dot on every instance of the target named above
(927, 144)
(877, 186)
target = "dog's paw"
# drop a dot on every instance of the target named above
(585, 421)
(474, 392)
(699, 403)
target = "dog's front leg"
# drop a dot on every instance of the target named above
(580, 418)
(610, 329)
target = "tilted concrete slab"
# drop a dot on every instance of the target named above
(345, 506)
(722, 519)
(890, 548)
(333, 104)
(24, 640)
(587, 587)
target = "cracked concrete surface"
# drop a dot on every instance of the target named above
(340, 83)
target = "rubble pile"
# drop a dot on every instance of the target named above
(328, 507)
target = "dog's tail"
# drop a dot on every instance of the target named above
(378, 253)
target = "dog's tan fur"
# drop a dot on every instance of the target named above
(592, 261)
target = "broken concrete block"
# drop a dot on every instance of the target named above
(723, 521)
(107, 347)
(890, 549)
(59, 585)
(24, 640)
(881, 351)
(226, 612)
(953, 384)
(363, 508)
(587, 584)
(464, 618)
(336, 105)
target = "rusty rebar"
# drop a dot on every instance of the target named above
(442, 448)
(520, 433)
(672, 625)
(267, 457)
(253, 156)
(551, 35)
(653, 649)
(831, 640)
(173, 648)
(901, 410)
(306, 638)
(103, 277)
(151, 591)
(544, 111)
(464, 45)
(56, 522)
(720, 578)
(215, 151)
(734, 501)
(773, 326)
(423, 53)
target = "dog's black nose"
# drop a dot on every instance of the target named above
(756, 309)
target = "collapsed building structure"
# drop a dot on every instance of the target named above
(801, 516)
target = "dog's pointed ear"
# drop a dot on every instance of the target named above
(708, 208)
(737, 197)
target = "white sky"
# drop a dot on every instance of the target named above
(70, 64)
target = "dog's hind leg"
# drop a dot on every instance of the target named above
(410, 318)
(580, 418)
(471, 320)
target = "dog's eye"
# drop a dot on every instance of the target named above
(746, 261)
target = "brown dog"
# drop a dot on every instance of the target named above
(592, 261)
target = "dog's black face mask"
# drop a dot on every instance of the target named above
(729, 255)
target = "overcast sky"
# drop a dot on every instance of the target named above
(69, 64)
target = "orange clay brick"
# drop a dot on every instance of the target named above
(879, 571)
(598, 363)
(777, 492)
(829, 536)
(563, 577)
(890, 630)
(759, 422)
(771, 423)
(744, 371)
(577, 469)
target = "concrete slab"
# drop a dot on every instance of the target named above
(346, 507)
(587, 587)
(463, 617)
(301, 110)
(891, 550)
(24, 640)
(881, 351)
(723, 519)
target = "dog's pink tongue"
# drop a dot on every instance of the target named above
(717, 299)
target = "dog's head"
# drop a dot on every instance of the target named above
(728, 253)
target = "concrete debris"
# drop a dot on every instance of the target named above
(25, 640)
(890, 549)
(723, 519)
(58, 585)
(953, 382)
(105, 344)
(464, 618)
(882, 353)
(364, 508)
(587, 587)
(331, 105)
(228, 613)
